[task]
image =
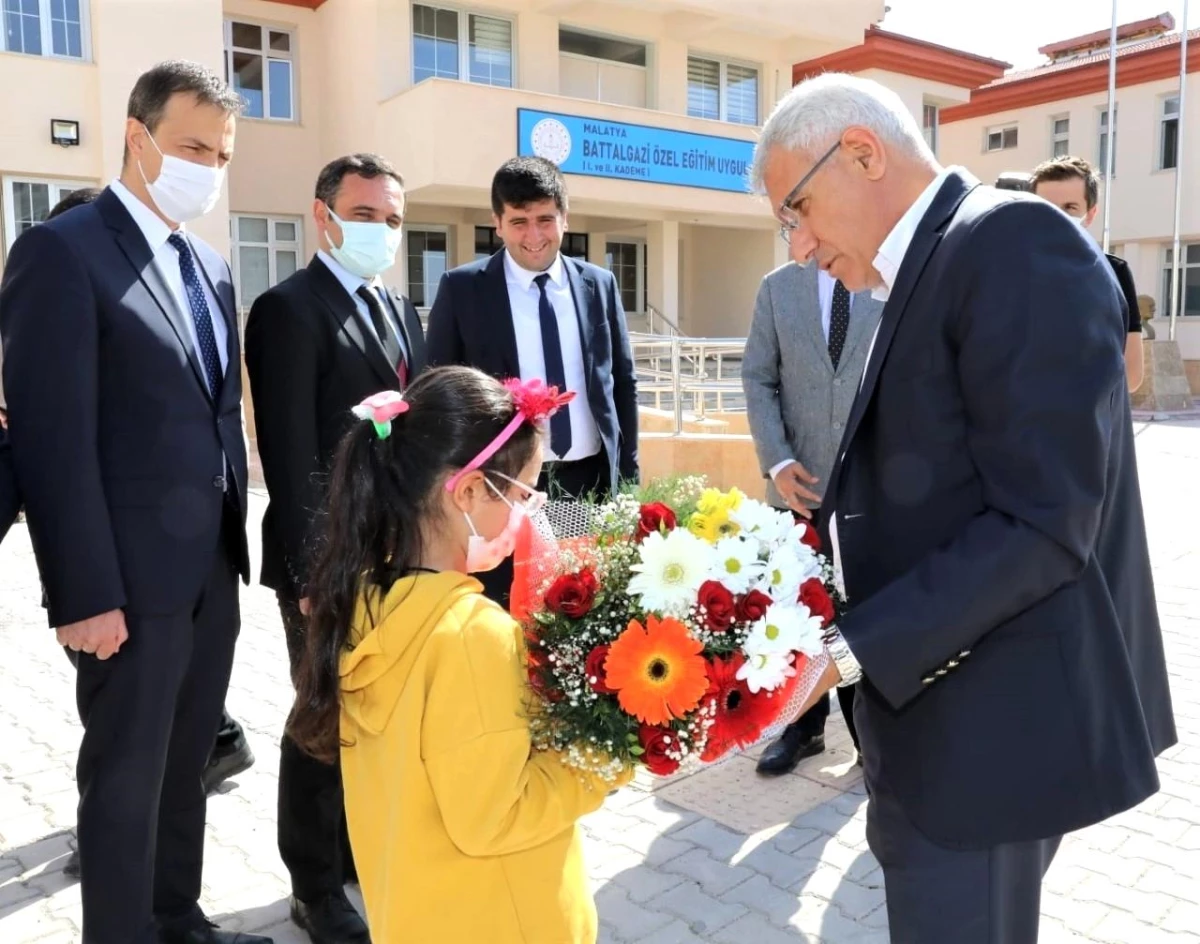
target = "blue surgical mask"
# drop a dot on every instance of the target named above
(367, 248)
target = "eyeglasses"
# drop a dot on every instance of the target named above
(534, 501)
(789, 219)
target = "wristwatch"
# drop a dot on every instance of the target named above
(848, 666)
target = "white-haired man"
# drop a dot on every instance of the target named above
(984, 514)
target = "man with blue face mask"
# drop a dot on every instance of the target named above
(319, 342)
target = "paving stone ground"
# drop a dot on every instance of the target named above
(721, 856)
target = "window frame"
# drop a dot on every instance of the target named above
(1165, 286)
(464, 14)
(1001, 130)
(1109, 131)
(1056, 136)
(230, 49)
(8, 199)
(1163, 118)
(723, 63)
(642, 270)
(46, 29)
(644, 69)
(933, 129)
(272, 245)
(442, 229)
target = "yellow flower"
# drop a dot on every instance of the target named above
(713, 526)
(714, 500)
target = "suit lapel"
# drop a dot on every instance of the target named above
(344, 312)
(494, 299)
(926, 239)
(808, 308)
(225, 301)
(583, 293)
(861, 326)
(133, 244)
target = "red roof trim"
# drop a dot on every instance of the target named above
(1164, 22)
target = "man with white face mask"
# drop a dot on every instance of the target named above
(126, 428)
(1073, 185)
(318, 343)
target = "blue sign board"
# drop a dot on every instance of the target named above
(597, 147)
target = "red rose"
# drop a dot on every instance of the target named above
(655, 742)
(594, 669)
(719, 608)
(810, 536)
(814, 595)
(654, 517)
(753, 606)
(573, 595)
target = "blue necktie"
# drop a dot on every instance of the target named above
(839, 322)
(201, 316)
(556, 373)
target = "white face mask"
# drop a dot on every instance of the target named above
(367, 248)
(1081, 222)
(183, 191)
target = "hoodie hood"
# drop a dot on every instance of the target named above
(387, 637)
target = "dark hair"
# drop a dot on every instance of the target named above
(380, 493)
(370, 166)
(73, 199)
(525, 180)
(1070, 168)
(155, 87)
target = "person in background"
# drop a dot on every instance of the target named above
(1073, 185)
(318, 343)
(461, 830)
(804, 357)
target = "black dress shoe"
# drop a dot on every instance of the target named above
(205, 932)
(71, 869)
(226, 762)
(330, 920)
(783, 756)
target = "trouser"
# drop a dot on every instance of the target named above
(313, 840)
(150, 716)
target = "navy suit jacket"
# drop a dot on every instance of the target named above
(471, 323)
(991, 534)
(10, 498)
(118, 447)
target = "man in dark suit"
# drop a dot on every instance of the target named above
(984, 516)
(317, 344)
(121, 373)
(10, 498)
(531, 312)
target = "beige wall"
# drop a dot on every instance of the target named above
(722, 269)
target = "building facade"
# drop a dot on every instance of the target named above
(650, 106)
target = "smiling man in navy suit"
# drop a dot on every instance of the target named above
(531, 312)
(124, 388)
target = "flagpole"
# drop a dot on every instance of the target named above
(1112, 123)
(1176, 266)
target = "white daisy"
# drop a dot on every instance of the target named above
(784, 574)
(737, 565)
(783, 628)
(767, 671)
(767, 524)
(670, 570)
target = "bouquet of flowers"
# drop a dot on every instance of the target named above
(670, 627)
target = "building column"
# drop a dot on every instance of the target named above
(783, 252)
(662, 269)
(598, 249)
(462, 240)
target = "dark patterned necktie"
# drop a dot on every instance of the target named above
(556, 372)
(201, 316)
(391, 344)
(839, 322)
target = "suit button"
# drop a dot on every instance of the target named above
(837, 424)
(837, 381)
(219, 482)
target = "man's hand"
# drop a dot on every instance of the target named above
(792, 484)
(3, 418)
(829, 680)
(305, 606)
(101, 636)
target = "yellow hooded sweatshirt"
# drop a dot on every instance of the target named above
(461, 834)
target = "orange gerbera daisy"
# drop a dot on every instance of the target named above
(657, 671)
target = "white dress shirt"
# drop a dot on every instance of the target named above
(352, 283)
(523, 298)
(166, 258)
(887, 263)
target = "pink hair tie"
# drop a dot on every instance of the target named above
(536, 402)
(381, 409)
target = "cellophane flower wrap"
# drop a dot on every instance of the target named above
(671, 627)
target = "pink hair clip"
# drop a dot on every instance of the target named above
(381, 409)
(536, 402)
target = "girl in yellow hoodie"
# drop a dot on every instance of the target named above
(462, 834)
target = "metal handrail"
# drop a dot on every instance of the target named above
(690, 377)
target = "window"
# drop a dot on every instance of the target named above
(488, 243)
(1168, 147)
(1060, 137)
(1001, 139)
(1189, 277)
(627, 262)
(929, 125)
(258, 64)
(722, 91)
(266, 250)
(28, 201)
(601, 69)
(1102, 168)
(428, 259)
(450, 44)
(45, 27)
